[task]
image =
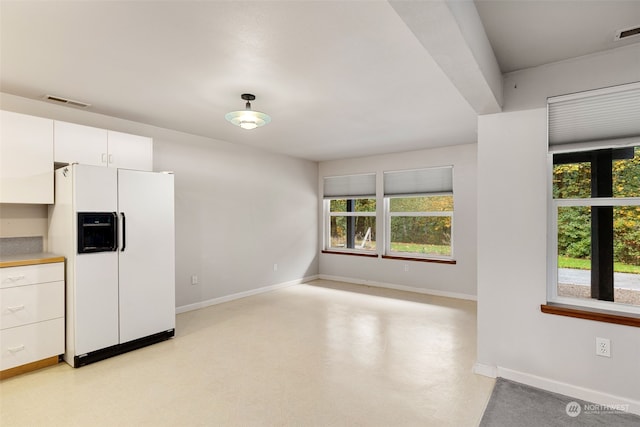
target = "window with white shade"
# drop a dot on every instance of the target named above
(350, 213)
(419, 213)
(594, 249)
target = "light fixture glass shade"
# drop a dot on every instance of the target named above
(248, 119)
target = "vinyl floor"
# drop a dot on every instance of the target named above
(317, 354)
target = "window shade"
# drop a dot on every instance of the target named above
(602, 118)
(350, 186)
(419, 181)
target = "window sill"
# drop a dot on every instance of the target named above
(626, 319)
(436, 260)
(350, 254)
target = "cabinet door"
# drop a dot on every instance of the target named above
(30, 343)
(22, 305)
(80, 144)
(26, 159)
(130, 151)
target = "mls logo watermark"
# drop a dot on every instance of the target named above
(573, 409)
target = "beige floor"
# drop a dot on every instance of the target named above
(322, 354)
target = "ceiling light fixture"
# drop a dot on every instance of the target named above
(247, 118)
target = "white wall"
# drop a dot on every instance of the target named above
(516, 340)
(453, 280)
(530, 88)
(239, 210)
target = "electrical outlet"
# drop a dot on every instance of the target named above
(603, 347)
(194, 280)
(275, 267)
(406, 267)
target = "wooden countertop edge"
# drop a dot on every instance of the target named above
(35, 261)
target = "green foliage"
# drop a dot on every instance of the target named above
(572, 181)
(422, 204)
(423, 230)
(626, 176)
(574, 229)
(419, 231)
(361, 205)
(626, 237)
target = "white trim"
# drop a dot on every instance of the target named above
(485, 370)
(598, 201)
(227, 298)
(552, 250)
(375, 284)
(326, 234)
(423, 213)
(387, 229)
(566, 389)
(371, 214)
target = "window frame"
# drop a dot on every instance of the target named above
(552, 249)
(387, 226)
(327, 224)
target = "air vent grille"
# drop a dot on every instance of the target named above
(627, 32)
(70, 102)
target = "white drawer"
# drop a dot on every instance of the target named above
(30, 343)
(31, 274)
(22, 305)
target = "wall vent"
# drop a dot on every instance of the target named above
(627, 32)
(70, 102)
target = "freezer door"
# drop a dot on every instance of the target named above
(147, 262)
(95, 188)
(95, 288)
(96, 302)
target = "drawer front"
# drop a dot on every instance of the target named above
(30, 343)
(22, 305)
(31, 274)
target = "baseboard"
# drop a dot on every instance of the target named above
(227, 298)
(399, 287)
(568, 389)
(485, 370)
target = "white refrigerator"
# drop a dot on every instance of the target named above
(120, 285)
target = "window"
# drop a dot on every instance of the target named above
(420, 226)
(350, 213)
(596, 217)
(419, 213)
(352, 224)
(594, 139)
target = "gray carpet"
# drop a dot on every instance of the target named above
(517, 405)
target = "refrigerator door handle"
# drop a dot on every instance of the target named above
(115, 231)
(124, 232)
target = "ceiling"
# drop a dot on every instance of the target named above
(339, 78)
(527, 33)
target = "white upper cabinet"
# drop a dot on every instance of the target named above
(26, 159)
(128, 151)
(80, 144)
(100, 147)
